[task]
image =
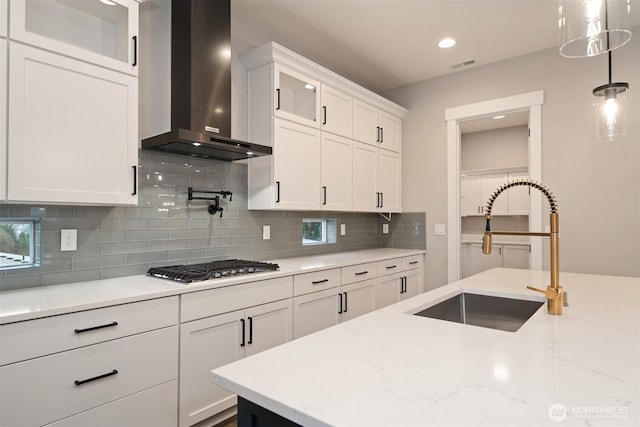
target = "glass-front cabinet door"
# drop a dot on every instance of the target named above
(101, 32)
(296, 96)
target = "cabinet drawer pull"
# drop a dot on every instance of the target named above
(324, 195)
(315, 282)
(377, 133)
(382, 200)
(360, 273)
(413, 262)
(345, 303)
(93, 328)
(340, 297)
(389, 267)
(277, 191)
(250, 330)
(135, 180)
(381, 134)
(324, 111)
(278, 99)
(88, 380)
(378, 200)
(135, 51)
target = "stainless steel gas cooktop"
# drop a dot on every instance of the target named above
(210, 270)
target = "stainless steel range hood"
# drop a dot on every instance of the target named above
(201, 85)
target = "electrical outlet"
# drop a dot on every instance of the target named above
(68, 240)
(343, 229)
(385, 228)
(266, 232)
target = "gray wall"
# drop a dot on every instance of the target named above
(507, 148)
(597, 184)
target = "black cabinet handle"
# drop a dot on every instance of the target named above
(389, 267)
(88, 380)
(360, 273)
(242, 326)
(340, 296)
(135, 180)
(324, 114)
(377, 133)
(93, 328)
(346, 305)
(278, 99)
(277, 191)
(402, 285)
(381, 134)
(250, 330)
(377, 199)
(324, 195)
(413, 262)
(315, 282)
(381, 200)
(135, 50)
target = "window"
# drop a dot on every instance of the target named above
(19, 243)
(318, 231)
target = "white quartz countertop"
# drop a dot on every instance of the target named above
(391, 368)
(32, 303)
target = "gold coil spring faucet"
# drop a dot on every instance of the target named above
(556, 298)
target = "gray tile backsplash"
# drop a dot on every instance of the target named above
(167, 228)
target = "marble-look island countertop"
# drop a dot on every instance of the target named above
(391, 368)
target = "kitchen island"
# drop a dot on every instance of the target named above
(391, 368)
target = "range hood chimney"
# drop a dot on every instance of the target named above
(201, 85)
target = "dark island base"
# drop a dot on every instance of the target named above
(252, 415)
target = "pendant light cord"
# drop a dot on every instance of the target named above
(606, 28)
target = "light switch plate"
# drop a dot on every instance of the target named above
(385, 228)
(440, 229)
(68, 240)
(266, 232)
(343, 229)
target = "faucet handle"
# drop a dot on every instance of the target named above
(550, 293)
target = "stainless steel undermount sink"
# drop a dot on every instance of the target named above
(505, 314)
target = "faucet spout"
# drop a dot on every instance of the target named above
(555, 296)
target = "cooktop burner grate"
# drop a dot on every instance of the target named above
(210, 270)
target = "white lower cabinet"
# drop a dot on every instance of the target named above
(65, 384)
(502, 255)
(403, 279)
(211, 342)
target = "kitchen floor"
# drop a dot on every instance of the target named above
(231, 422)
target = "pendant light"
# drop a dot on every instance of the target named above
(593, 27)
(610, 109)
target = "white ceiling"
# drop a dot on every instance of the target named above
(383, 44)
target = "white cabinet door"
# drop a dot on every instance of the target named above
(515, 256)
(296, 162)
(337, 179)
(479, 262)
(412, 283)
(470, 196)
(337, 111)
(296, 96)
(105, 35)
(365, 123)
(490, 184)
(316, 311)
(389, 178)
(3, 115)
(205, 345)
(268, 325)
(3, 18)
(365, 177)
(358, 298)
(72, 131)
(519, 196)
(389, 289)
(390, 131)
(464, 260)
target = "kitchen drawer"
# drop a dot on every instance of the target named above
(48, 335)
(197, 305)
(389, 266)
(155, 407)
(359, 272)
(411, 262)
(316, 281)
(45, 389)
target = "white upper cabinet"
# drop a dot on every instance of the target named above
(296, 96)
(376, 127)
(3, 18)
(366, 197)
(389, 176)
(3, 115)
(337, 110)
(336, 177)
(90, 30)
(72, 131)
(475, 192)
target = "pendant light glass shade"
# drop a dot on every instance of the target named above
(592, 27)
(610, 111)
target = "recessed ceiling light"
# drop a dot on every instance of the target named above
(445, 43)
(499, 117)
(108, 2)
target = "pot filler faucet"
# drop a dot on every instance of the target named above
(556, 298)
